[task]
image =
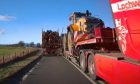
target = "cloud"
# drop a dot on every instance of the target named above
(2, 31)
(6, 18)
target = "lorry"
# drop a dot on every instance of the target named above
(50, 42)
(110, 54)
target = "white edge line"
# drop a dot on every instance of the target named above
(28, 73)
(81, 71)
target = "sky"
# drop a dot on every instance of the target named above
(23, 20)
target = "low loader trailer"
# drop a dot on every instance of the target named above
(111, 54)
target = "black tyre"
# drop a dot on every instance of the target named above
(83, 62)
(70, 40)
(91, 67)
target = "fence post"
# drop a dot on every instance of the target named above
(23, 53)
(9, 58)
(3, 60)
(15, 55)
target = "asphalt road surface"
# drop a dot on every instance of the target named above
(54, 70)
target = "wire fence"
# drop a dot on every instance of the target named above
(15, 56)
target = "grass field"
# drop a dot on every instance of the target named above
(6, 50)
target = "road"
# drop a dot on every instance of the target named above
(54, 70)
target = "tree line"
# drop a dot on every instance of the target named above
(31, 44)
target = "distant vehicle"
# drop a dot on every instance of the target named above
(111, 54)
(50, 42)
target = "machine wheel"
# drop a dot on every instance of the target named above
(91, 67)
(70, 42)
(83, 62)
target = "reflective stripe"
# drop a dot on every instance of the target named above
(75, 36)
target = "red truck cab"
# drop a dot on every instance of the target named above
(123, 67)
(126, 16)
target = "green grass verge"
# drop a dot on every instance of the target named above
(15, 67)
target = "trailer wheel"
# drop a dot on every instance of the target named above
(83, 62)
(91, 67)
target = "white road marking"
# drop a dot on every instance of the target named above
(81, 72)
(26, 75)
